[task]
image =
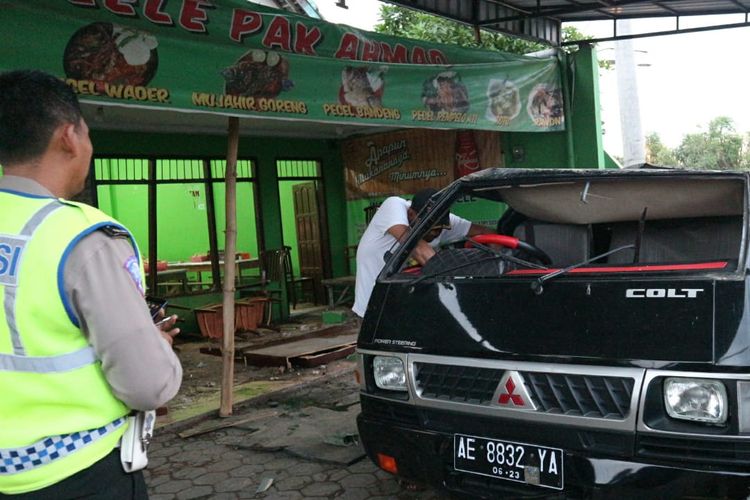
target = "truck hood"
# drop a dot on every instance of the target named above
(629, 321)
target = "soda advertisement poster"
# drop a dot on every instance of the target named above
(403, 162)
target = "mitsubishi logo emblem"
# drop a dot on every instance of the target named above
(509, 396)
(511, 392)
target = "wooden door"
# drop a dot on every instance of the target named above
(308, 224)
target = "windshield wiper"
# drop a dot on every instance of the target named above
(639, 236)
(537, 286)
(507, 257)
(495, 255)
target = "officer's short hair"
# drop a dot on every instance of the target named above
(32, 105)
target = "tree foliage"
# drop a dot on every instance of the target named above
(719, 148)
(657, 153)
(400, 21)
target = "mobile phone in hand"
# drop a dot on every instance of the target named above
(163, 320)
(155, 304)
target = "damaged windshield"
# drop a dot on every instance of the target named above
(607, 223)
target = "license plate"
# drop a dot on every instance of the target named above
(520, 462)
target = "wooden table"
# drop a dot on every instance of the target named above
(345, 284)
(205, 266)
(172, 281)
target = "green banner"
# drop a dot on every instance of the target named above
(235, 57)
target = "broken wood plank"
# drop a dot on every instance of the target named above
(332, 331)
(324, 357)
(265, 360)
(283, 354)
(214, 425)
(304, 347)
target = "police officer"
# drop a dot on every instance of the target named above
(78, 347)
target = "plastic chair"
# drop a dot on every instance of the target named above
(271, 281)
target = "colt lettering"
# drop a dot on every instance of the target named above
(662, 293)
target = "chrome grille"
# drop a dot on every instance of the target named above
(593, 396)
(461, 384)
(581, 395)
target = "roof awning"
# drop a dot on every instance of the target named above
(541, 20)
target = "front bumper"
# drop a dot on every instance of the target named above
(597, 464)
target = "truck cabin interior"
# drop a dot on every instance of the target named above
(654, 224)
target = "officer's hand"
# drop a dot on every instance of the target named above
(167, 328)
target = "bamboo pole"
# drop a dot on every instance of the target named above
(230, 244)
(477, 35)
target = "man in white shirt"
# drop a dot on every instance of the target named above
(389, 225)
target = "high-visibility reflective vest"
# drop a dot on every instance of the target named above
(58, 415)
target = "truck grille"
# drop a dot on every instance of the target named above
(591, 396)
(461, 384)
(583, 395)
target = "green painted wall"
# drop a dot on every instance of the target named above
(129, 205)
(264, 151)
(246, 224)
(181, 221)
(527, 150)
(182, 217)
(610, 162)
(585, 109)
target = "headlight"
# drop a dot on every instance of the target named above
(695, 399)
(389, 373)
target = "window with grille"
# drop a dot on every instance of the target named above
(188, 192)
(298, 169)
(121, 169)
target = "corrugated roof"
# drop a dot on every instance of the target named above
(571, 10)
(542, 19)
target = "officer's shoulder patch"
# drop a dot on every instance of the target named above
(115, 232)
(134, 270)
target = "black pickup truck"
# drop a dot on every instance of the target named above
(597, 347)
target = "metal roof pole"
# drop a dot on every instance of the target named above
(633, 143)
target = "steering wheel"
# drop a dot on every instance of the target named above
(512, 243)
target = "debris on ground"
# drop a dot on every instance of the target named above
(313, 433)
(265, 483)
(222, 423)
(202, 373)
